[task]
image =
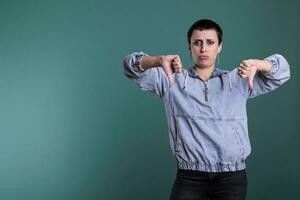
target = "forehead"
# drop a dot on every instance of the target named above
(205, 34)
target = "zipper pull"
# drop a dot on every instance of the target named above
(205, 90)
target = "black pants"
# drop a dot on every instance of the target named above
(196, 185)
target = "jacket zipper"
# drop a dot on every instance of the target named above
(205, 90)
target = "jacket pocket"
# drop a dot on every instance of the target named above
(188, 148)
(231, 149)
(239, 141)
(178, 143)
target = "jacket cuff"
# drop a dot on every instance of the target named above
(274, 59)
(136, 64)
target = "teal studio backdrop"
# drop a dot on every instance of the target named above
(73, 127)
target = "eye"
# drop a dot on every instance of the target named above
(210, 42)
(197, 43)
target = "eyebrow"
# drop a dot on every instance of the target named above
(202, 40)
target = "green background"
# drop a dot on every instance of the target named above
(72, 126)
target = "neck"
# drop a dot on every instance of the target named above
(204, 72)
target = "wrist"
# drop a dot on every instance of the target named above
(265, 66)
(149, 62)
(159, 61)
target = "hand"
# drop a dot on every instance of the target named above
(171, 64)
(247, 70)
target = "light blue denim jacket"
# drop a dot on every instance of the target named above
(207, 120)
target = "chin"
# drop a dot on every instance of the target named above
(202, 64)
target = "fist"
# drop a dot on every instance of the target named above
(247, 70)
(171, 64)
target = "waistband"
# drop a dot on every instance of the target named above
(219, 167)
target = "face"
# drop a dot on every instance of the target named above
(204, 47)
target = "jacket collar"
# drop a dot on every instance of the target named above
(217, 72)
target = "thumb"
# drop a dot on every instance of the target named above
(251, 77)
(170, 79)
(250, 82)
(168, 71)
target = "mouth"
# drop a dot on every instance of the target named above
(203, 57)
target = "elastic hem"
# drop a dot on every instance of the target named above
(212, 167)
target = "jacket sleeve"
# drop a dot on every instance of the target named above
(153, 80)
(266, 82)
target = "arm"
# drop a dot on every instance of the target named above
(151, 73)
(265, 75)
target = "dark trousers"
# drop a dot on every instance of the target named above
(196, 185)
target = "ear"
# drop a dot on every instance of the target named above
(220, 48)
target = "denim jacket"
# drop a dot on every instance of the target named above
(207, 120)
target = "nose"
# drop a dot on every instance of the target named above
(203, 48)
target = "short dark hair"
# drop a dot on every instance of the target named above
(205, 24)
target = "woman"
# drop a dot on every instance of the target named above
(206, 111)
